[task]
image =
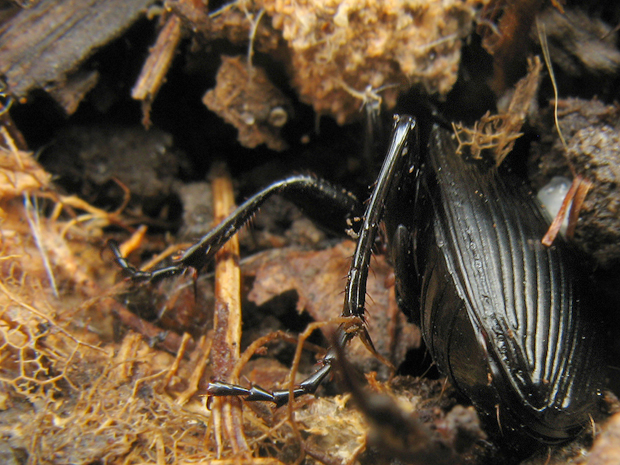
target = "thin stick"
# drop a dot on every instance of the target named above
(251, 44)
(347, 320)
(177, 361)
(156, 66)
(262, 341)
(227, 411)
(204, 348)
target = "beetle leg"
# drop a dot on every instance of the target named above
(281, 397)
(321, 200)
(304, 190)
(394, 167)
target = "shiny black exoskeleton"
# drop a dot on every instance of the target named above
(501, 314)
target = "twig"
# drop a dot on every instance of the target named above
(296, 361)
(254, 22)
(583, 188)
(156, 66)
(260, 342)
(226, 411)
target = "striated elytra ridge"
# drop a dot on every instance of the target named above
(504, 316)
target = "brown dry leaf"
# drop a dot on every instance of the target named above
(319, 277)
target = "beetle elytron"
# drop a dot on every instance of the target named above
(500, 313)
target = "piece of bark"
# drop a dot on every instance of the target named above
(42, 45)
(70, 94)
(579, 43)
(156, 66)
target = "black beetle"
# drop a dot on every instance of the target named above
(501, 314)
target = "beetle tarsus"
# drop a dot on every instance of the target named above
(280, 397)
(137, 275)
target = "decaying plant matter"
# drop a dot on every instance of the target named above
(385, 46)
(496, 134)
(245, 97)
(94, 370)
(589, 149)
(340, 52)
